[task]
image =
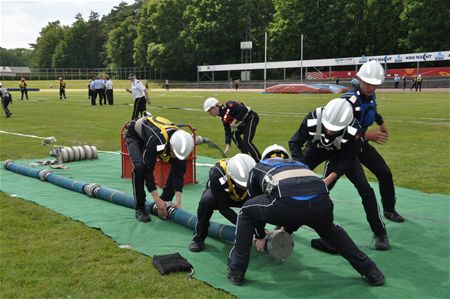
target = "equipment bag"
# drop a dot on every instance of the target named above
(172, 263)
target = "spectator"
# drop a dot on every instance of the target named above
(396, 81)
(414, 83)
(109, 90)
(237, 82)
(167, 85)
(404, 82)
(99, 89)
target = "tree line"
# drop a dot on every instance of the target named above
(172, 37)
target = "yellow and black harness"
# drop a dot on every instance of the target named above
(230, 186)
(164, 125)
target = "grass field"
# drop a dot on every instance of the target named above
(38, 245)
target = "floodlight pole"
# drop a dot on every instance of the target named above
(265, 59)
(301, 59)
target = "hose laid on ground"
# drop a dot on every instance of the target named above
(279, 244)
(216, 230)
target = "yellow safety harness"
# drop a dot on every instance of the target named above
(163, 124)
(232, 191)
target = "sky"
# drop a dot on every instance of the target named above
(22, 20)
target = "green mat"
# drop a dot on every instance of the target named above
(416, 266)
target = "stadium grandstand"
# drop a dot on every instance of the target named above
(326, 71)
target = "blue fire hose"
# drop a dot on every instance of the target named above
(216, 230)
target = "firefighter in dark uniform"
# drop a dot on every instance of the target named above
(62, 89)
(331, 133)
(363, 99)
(6, 100)
(23, 88)
(147, 139)
(285, 193)
(222, 192)
(237, 120)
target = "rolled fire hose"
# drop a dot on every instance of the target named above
(279, 244)
(66, 154)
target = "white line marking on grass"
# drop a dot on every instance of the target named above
(23, 135)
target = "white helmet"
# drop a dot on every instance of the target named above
(337, 114)
(239, 167)
(210, 103)
(182, 144)
(274, 149)
(371, 72)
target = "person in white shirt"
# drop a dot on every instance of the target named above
(140, 96)
(109, 90)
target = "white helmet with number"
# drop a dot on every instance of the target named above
(371, 72)
(239, 167)
(210, 103)
(276, 150)
(337, 114)
(182, 144)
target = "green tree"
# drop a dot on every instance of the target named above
(15, 57)
(426, 25)
(45, 46)
(119, 46)
(82, 45)
(159, 43)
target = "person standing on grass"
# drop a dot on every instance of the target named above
(109, 90)
(6, 100)
(146, 139)
(99, 89)
(23, 88)
(363, 99)
(237, 119)
(419, 83)
(140, 96)
(404, 82)
(62, 89)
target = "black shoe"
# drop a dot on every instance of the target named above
(381, 242)
(393, 216)
(196, 246)
(9, 114)
(142, 216)
(374, 277)
(236, 278)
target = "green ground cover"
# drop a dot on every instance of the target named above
(417, 152)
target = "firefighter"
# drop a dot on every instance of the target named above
(6, 100)
(363, 99)
(23, 89)
(150, 137)
(238, 120)
(331, 133)
(226, 188)
(285, 193)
